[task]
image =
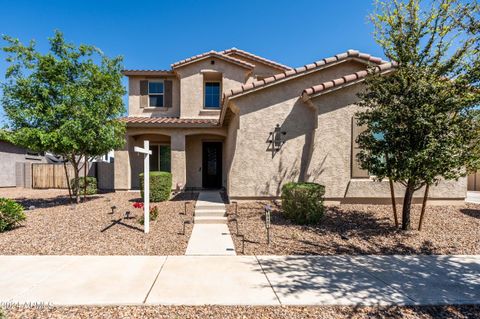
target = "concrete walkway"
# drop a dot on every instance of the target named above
(210, 234)
(240, 280)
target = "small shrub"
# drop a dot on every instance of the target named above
(78, 185)
(153, 215)
(11, 214)
(160, 186)
(302, 203)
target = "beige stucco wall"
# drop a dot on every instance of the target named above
(318, 142)
(192, 79)
(134, 108)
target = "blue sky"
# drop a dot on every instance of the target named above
(154, 34)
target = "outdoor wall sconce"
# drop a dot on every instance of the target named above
(276, 139)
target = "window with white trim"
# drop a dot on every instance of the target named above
(155, 93)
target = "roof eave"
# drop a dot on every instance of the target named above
(173, 125)
(244, 65)
(148, 73)
(306, 96)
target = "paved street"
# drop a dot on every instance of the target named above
(240, 280)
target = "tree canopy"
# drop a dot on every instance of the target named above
(65, 101)
(422, 120)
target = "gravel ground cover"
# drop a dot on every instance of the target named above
(55, 227)
(358, 229)
(231, 312)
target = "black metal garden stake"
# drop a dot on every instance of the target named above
(268, 210)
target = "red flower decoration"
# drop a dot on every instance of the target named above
(138, 205)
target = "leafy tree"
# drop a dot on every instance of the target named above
(65, 101)
(426, 109)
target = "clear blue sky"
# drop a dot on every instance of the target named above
(154, 34)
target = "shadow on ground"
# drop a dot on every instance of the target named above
(61, 200)
(360, 280)
(472, 212)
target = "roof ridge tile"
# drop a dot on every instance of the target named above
(252, 56)
(347, 78)
(287, 73)
(211, 53)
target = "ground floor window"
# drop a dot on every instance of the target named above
(160, 158)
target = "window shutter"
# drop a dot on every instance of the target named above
(357, 171)
(143, 93)
(167, 87)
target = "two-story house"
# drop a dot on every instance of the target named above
(238, 121)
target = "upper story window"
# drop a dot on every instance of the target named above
(155, 93)
(212, 95)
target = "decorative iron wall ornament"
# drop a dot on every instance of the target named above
(276, 139)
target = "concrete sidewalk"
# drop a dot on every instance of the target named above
(240, 280)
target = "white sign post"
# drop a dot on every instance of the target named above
(146, 183)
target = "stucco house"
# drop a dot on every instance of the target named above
(241, 122)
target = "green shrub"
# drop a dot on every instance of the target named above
(11, 213)
(302, 203)
(160, 186)
(79, 185)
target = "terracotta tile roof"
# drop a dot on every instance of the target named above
(255, 58)
(213, 54)
(347, 79)
(168, 121)
(148, 72)
(350, 54)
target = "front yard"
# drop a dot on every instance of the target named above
(359, 229)
(55, 227)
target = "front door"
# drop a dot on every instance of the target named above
(212, 165)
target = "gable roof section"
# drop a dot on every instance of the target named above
(257, 58)
(346, 80)
(293, 73)
(212, 54)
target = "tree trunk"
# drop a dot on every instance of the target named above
(424, 205)
(394, 203)
(85, 179)
(407, 205)
(68, 181)
(76, 186)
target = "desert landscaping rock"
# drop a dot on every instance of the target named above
(56, 227)
(359, 230)
(242, 312)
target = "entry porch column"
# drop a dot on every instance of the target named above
(178, 160)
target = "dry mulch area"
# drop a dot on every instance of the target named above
(230, 312)
(358, 229)
(56, 227)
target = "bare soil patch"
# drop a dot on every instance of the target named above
(358, 229)
(56, 227)
(231, 312)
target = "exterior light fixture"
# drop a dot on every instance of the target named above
(277, 139)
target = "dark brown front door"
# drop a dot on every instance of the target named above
(212, 165)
